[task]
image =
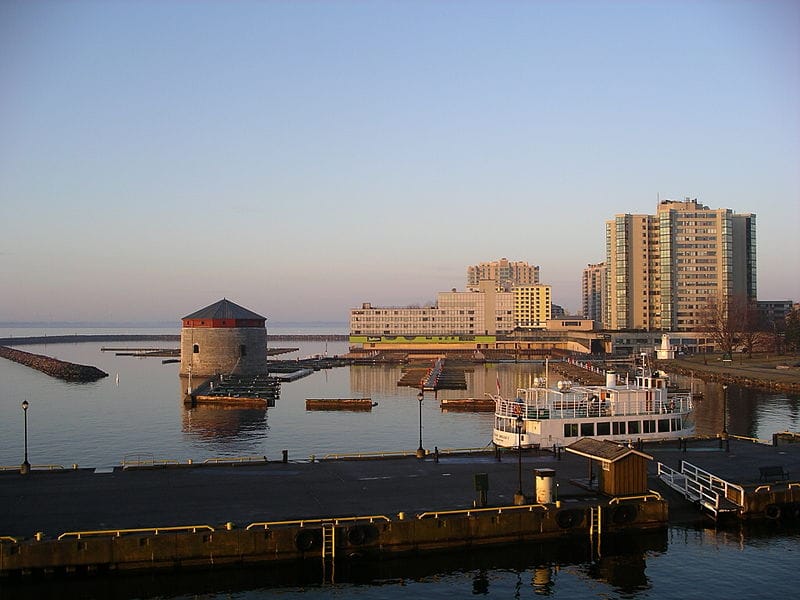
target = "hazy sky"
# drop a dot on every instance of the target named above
(301, 158)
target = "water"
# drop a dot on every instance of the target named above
(97, 424)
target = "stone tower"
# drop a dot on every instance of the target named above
(223, 338)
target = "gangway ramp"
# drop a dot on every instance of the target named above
(713, 493)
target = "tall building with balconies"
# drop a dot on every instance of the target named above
(663, 268)
(506, 273)
(593, 291)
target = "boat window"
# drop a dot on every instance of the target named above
(604, 428)
(648, 426)
(618, 427)
(634, 427)
(676, 424)
(663, 424)
(570, 430)
(587, 429)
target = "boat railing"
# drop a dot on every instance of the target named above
(579, 408)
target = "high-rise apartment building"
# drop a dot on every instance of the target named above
(531, 306)
(663, 268)
(593, 291)
(506, 273)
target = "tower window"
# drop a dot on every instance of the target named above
(243, 350)
(196, 348)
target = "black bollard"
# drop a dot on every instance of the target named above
(285, 456)
(436, 454)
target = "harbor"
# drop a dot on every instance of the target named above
(331, 475)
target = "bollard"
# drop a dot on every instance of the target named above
(229, 526)
(285, 456)
(436, 454)
(401, 516)
(38, 536)
(312, 458)
(74, 466)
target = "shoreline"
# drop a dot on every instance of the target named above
(770, 372)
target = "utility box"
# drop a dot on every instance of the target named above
(544, 485)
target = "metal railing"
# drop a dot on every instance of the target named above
(235, 459)
(471, 511)
(650, 495)
(34, 468)
(305, 522)
(710, 490)
(119, 532)
(390, 454)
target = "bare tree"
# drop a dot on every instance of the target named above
(731, 322)
(716, 323)
(750, 327)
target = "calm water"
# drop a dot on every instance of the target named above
(98, 424)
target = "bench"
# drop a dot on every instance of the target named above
(773, 473)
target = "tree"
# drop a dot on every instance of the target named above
(731, 322)
(792, 337)
(716, 322)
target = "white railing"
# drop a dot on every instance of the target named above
(571, 408)
(710, 490)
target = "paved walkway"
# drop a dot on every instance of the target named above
(84, 500)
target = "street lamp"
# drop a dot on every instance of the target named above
(25, 468)
(724, 410)
(519, 498)
(420, 450)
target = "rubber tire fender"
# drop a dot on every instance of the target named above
(566, 519)
(772, 511)
(305, 540)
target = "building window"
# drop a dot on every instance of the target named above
(242, 350)
(196, 349)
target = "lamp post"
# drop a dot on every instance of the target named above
(25, 467)
(420, 450)
(519, 498)
(725, 410)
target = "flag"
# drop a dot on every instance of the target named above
(498, 383)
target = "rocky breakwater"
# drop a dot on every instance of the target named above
(52, 366)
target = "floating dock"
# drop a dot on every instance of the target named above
(237, 390)
(467, 404)
(340, 404)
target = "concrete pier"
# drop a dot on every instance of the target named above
(184, 515)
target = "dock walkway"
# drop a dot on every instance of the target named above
(55, 502)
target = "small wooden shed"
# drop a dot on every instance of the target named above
(622, 470)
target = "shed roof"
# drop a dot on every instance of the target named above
(603, 450)
(224, 309)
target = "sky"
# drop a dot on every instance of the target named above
(301, 158)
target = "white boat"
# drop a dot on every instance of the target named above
(545, 417)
